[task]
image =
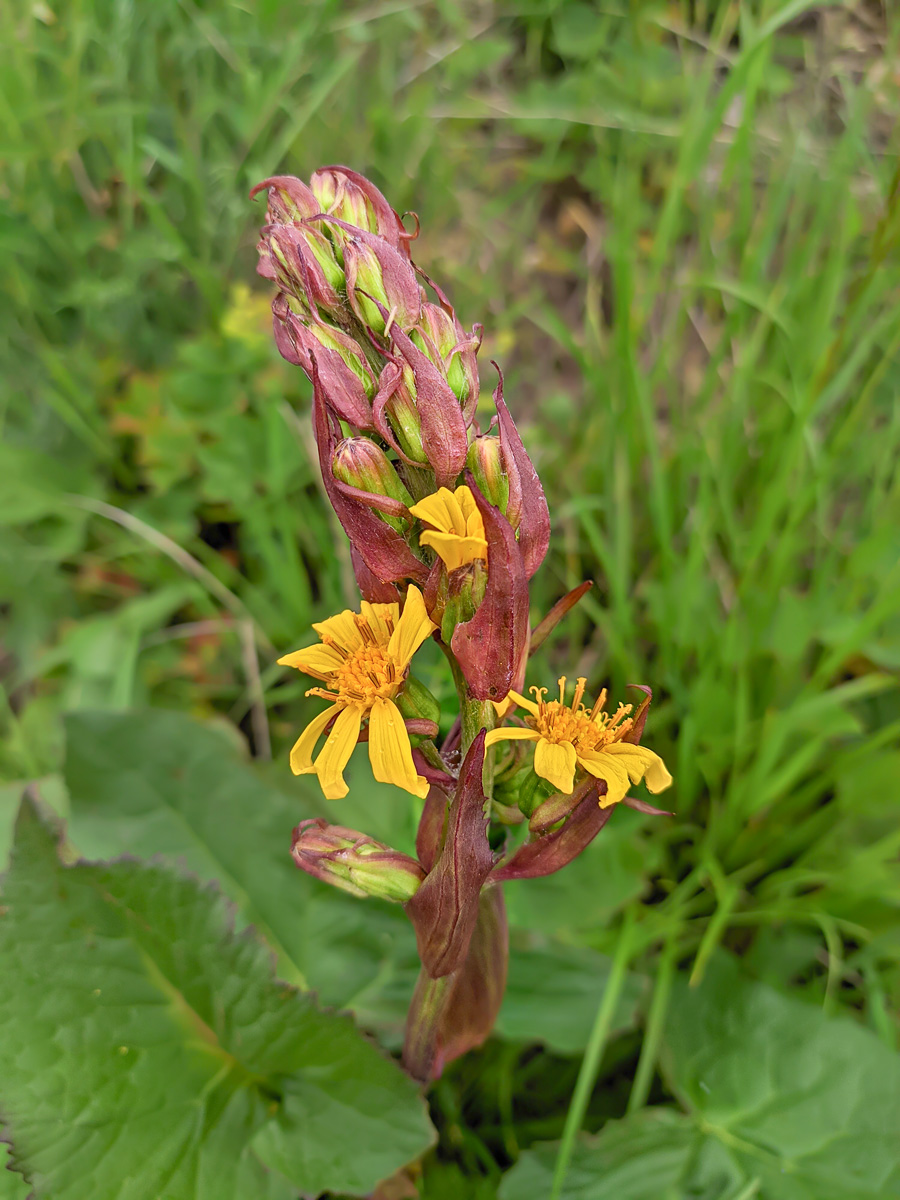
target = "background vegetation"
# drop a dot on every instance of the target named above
(679, 224)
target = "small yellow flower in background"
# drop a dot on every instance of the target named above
(363, 658)
(457, 533)
(569, 735)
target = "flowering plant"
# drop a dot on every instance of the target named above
(447, 524)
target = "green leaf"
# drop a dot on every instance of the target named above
(645, 1157)
(552, 995)
(784, 1104)
(149, 1053)
(159, 783)
(12, 1185)
(805, 1103)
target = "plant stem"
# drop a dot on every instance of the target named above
(422, 1021)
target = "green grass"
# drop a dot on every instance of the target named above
(679, 225)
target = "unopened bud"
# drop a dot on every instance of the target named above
(339, 197)
(381, 285)
(348, 196)
(404, 417)
(354, 862)
(362, 464)
(416, 702)
(289, 200)
(465, 592)
(305, 267)
(441, 337)
(349, 351)
(486, 462)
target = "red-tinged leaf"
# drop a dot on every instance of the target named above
(491, 647)
(417, 725)
(440, 416)
(558, 806)
(434, 814)
(389, 224)
(445, 908)
(642, 806)
(343, 388)
(477, 989)
(376, 500)
(371, 588)
(553, 851)
(289, 199)
(381, 548)
(525, 489)
(541, 631)
(639, 719)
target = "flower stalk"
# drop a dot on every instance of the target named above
(447, 522)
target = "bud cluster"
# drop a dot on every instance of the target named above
(396, 390)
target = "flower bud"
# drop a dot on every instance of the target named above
(343, 371)
(402, 427)
(362, 464)
(416, 702)
(380, 281)
(441, 337)
(486, 462)
(354, 862)
(305, 267)
(352, 198)
(290, 201)
(339, 197)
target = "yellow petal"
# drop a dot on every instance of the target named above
(435, 510)
(471, 517)
(335, 754)
(453, 550)
(510, 735)
(342, 628)
(314, 660)
(390, 752)
(641, 763)
(604, 766)
(528, 705)
(555, 762)
(301, 753)
(412, 629)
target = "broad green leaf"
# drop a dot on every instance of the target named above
(150, 1054)
(805, 1103)
(650, 1156)
(159, 783)
(12, 1185)
(552, 996)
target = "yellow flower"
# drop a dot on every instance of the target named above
(363, 658)
(570, 736)
(457, 535)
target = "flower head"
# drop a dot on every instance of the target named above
(457, 528)
(568, 736)
(354, 862)
(363, 659)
